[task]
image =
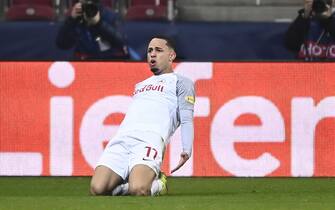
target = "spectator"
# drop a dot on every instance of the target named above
(91, 30)
(312, 34)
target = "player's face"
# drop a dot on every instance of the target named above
(160, 56)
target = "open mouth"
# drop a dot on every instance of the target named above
(152, 62)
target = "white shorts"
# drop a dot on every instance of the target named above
(125, 151)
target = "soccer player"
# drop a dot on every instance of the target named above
(130, 163)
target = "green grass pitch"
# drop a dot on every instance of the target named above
(71, 193)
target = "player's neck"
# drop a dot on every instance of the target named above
(167, 71)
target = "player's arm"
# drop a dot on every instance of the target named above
(187, 136)
(187, 130)
(186, 99)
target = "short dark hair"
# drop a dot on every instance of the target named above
(169, 41)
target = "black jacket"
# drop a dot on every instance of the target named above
(101, 41)
(311, 38)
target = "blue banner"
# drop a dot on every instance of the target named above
(196, 41)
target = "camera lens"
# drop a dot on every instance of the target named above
(90, 8)
(320, 6)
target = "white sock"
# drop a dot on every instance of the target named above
(121, 189)
(156, 187)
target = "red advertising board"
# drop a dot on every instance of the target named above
(251, 119)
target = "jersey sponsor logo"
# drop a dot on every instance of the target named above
(159, 88)
(190, 99)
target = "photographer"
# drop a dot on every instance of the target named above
(312, 34)
(92, 30)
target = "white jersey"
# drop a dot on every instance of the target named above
(156, 104)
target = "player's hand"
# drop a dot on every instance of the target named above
(307, 8)
(183, 158)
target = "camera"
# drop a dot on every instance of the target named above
(320, 6)
(90, 8)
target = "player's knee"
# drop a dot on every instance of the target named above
(97, 189)
(139, 191)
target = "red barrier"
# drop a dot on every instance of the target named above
(251, 119)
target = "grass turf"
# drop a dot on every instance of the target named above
(71, 193)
